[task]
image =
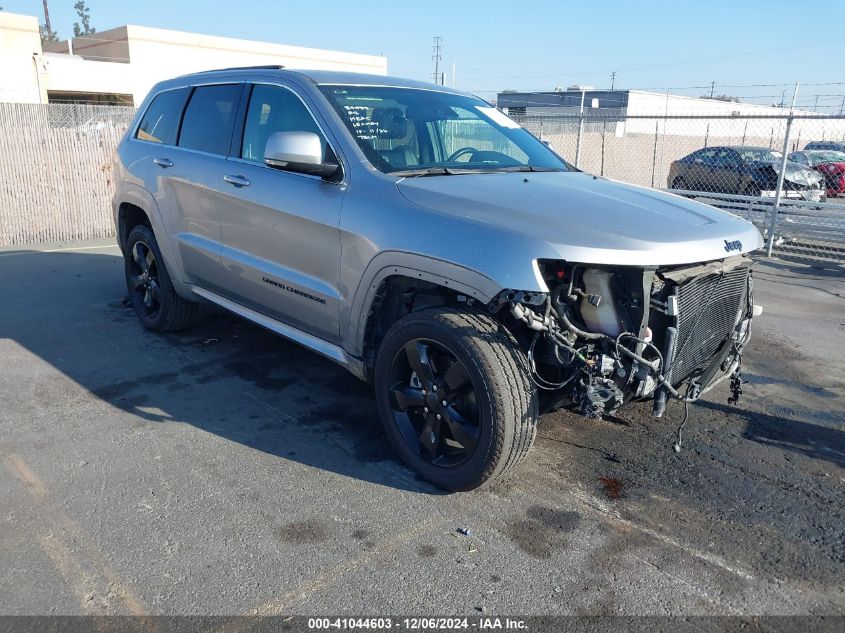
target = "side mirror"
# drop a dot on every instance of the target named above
(299, 152)
(547, 144)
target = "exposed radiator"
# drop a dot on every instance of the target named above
(708, 307)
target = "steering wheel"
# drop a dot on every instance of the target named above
(457, 154)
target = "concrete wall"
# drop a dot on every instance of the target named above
(75, 74)
(131, 59)
(159, 53)
(19, 42)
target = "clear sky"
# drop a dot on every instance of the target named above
(539, 44)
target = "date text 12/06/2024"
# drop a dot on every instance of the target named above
(417, 624)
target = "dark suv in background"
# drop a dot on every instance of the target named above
(830, 145)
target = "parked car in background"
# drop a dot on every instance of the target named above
(748, 171)
(829, 145)
(830, 164)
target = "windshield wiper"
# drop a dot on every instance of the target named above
(451, 171)
(428, 171)
(518, 168)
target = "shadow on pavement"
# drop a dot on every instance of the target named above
(224, 376)
(812, 440)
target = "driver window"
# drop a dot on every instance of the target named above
(274, 109)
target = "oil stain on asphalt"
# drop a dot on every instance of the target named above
(612, 487)
(303, 532)
(542, 530)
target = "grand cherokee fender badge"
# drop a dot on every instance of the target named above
(736, 245)
(293, 290)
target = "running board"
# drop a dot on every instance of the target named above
(318, 345)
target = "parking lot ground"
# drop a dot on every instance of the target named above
(223, 470)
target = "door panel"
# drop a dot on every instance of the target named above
(189, 178)
(192, 196)
(281, 241)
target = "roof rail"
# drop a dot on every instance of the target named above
(265, 67)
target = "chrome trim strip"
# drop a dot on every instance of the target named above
(327, 350)
(324, 349)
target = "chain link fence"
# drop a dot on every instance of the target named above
(786, 174)
(56, 180)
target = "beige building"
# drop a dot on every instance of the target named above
(120, 65)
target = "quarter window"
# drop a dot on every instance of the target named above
(161, 120)
(209, 118)
(274, 109)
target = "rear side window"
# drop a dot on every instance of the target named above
(209, 118)
(161, 120)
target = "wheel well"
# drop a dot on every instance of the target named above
(397, 296)
(129, 216)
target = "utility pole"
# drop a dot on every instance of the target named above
(816, 106)
(47, 17)
(781, 174)
(712, 88)
(438, 47)
(612, 79)
(842, 106)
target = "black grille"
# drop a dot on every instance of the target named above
(707, 311)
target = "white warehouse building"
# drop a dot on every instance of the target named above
(643, 112)
(120, 65)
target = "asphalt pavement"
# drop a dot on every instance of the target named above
(223, 470)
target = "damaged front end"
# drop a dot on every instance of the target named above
(604, 336)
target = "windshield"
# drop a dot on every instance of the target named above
(405, 131)
(760, 155)
(819, 157)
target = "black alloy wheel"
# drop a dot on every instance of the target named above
(454, 395)
(434, 403)
(150, 288)
(144, 279)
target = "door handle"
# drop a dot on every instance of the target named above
(238, 181)
(163, 162)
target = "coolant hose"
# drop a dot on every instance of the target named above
(590, 336)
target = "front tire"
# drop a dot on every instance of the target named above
(148, 283)
(455, 398)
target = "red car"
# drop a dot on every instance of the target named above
(829, 163)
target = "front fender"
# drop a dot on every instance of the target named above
(447, 274)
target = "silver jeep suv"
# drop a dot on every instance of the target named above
(426, 242)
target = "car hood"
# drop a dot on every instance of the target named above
(583, 218)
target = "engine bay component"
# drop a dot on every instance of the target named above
(599, 316)
(600, 396)
(603, 337)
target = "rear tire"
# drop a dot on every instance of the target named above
(148, 283)
(752, 190)
(680, 184)
(472, 364)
